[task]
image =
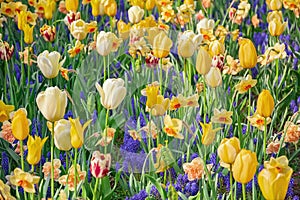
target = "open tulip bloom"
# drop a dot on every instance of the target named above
(149, 99)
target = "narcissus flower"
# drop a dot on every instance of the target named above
(107, 136)
(216, 47)
(258, 121)
(100, 164)
(173, 127)
(177, 102)
(20, 124)
(208, 133)
(112, 93)
(292, 132)
(244, 85)
(5, 191)
(70, 178)
(47, 169)
(247, 53)
(35, 145)
(222, 117)
(274, 179)
(107, 42)
(244, 166)
(194, 169)
(24, 180)
(164, 158)
(265, 104)
(76, 49)
(48, 32)
(162, 45)
(272, 53)
(52, 103)
(228, 150)
(5, 110)
(49, 63)
(77, 131)
(214, 77)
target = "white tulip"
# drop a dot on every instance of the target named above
(135, 14)
(214, 77)
(49, 63)
(107, 42)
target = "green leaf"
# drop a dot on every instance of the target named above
(158, 186)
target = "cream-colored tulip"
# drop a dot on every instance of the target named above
(274, 4)
(188, 43)
(205, 24)
(112, 93)
(135, 14)
(52, 103)
(107, 43)
(49, 64)
(274, 15)
(79, 29)
(203, 63)
(216, 47)
(162, 45)
(214, 77)
(62, 137)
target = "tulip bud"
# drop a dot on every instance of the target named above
(78, 29)
(150, 4)
(216, 47)
(20, 124)
(228, 150)
(6, 51)
(162, 45)
(72, 5)
(100, 164)
(244, 166)
(48, 33)
(274, 4)
(265, 104)
(214, 77)
(135, 14)
(112, 93)
(35, 146)
(276, 27)
(52, 103)
(111, 9)
(28, 33)
(49, 63)
(274, 179)
(203, 63)
(247, 53)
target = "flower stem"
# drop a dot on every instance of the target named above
(160, 75)
(244, 191)
(67, 161)
(265, 138)
(105, 134)
(75, 168)
(52, 163)
(231, 189)
(95, 188)
(104, 68)
(22, 154)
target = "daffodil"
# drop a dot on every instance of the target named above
(258, 121)
(77, 131)
(272, 53)
(244, 85)
(24, 180)
(177, 102)
(5, 191)
(76, 49)
(173, 127)
(5, 110)
(222, 117)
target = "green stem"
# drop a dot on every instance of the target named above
(95, 188)
(104, 68)
(105, 134)
(244, 191)
(67, 161)
(22, 154)
(6, 69)
(249, 110)
(265, 138)
(160, 75)
(277, 71)
(75, 168)
(231, 189)
(52, 163)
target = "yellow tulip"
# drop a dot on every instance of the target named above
(123, 29)
(216, 47)
(151, 93)
(274, 15)
(72, 5)
(52, 103)
(274, 179)
(28, 33)
(49, 9)
(35, 146)
(274, 4)
(265, 104)
(276, 27)
(22, 19)
(228, 150)
(20, 124)
(203, 62)
(150, 4)
(247, 53)
(208, 133)
(244, 166)
(5, 110)
(162, 45)
(111, 9)
(77, 131)
(97, 8)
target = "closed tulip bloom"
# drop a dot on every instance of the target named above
(274, 15)
(228, 150)
(62, 136)
(49, 63)
(48, 32)
(112, 93)
(274, 179)
(107, 42)
(28, 33)
(162, 45)
(77, 131)
(247, 53)
(276, 27)
(20, 124)
(35, 145)
(52, 103)
(150, 4)
(274, 4)
(214, 77)
(216, 47)
(72, 5)
(49, 9)
(203, 62)
(97, 7)
(265, 104)
(79, 29)
(22, 19)
(188, 43)
(135, 14)
(100, 164)
(111, 8)
(244, 166)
